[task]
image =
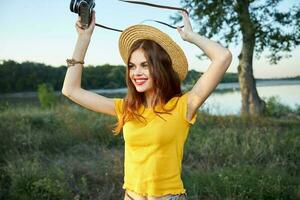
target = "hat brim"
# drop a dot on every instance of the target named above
(137, 32)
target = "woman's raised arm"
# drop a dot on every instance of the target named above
(72, 82)
(220, 61)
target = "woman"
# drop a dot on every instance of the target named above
(155, 115)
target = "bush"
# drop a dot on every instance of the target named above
(30, 179)
(275, 108)
(244, 182)
(4, 106)
(46, 96)
(297, 109)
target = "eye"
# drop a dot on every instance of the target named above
(145, 65)
(130, 66)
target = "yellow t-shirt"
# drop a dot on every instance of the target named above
(154, 150)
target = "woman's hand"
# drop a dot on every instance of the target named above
(86, 33)
(187, 32)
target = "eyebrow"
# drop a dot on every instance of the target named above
(145, 62)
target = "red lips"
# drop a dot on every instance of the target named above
(140, 81)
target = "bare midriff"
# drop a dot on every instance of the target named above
(136, 196)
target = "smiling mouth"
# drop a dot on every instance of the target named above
(140, 81)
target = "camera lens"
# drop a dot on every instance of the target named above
(73, 6)
(84, 9)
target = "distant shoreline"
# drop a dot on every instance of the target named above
(260, 83)
(276, 79)
(220, 87)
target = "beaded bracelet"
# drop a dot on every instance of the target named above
(72, 62)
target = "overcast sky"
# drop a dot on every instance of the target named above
(43, 31)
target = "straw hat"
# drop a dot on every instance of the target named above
(140, 31)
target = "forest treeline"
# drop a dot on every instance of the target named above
(26, 76)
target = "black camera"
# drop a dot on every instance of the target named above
(84, 9)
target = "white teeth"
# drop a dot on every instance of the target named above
(140, 81)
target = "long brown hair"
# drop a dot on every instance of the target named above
(166, 83)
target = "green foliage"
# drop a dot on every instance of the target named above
(191, 77)
(275, 108)
(32, 180)
(230, 21)
(105, 76)
(26, 76)
(230, 78)
(4, 105)
(55, 154)
(297, 109)
(243, 182)
(46, 96)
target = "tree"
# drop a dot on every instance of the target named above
(258, 24)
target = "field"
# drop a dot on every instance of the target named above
(68, 152)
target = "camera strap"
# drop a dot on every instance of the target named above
(148, 4)
(156, 5)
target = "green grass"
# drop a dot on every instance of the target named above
(68, 152)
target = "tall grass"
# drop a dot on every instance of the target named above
(67, 152)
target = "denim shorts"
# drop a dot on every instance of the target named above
(169, 197)
(178, 197)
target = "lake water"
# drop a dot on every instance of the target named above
(224, 102)
(231, 102)
(220, 102)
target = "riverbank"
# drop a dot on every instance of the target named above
(221, 87)
(223, 101)
(69, 152)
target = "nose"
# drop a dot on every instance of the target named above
(138, 70)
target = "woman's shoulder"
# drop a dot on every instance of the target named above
(179, 96)
(176, 99)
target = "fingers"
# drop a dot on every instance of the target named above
(92, 24)
(179, 30)
(93, 17)
(185, 17)
(186, 21)
(181, 33)
(185, 33)
(78, 25)
(86, 31)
